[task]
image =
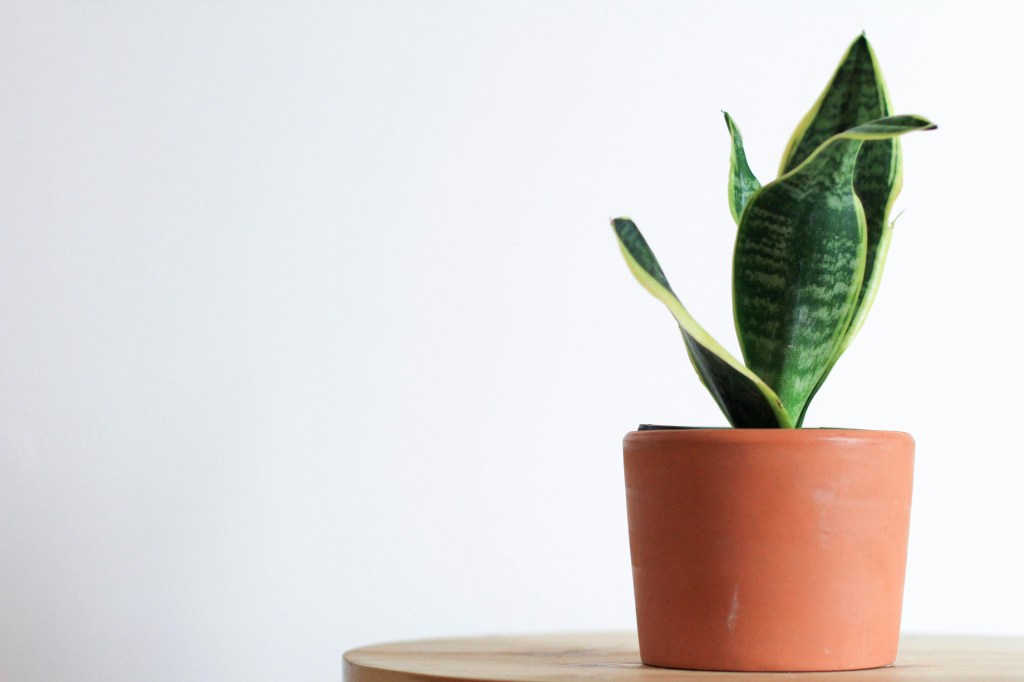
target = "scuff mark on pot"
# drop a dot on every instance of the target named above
(734, 609)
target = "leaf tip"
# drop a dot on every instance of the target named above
(923, 123)
(860, 45)
(621, 225)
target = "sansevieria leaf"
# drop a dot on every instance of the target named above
(742, 183)
(799, 264)
(857, 94)
(744, 398)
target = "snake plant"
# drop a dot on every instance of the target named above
(810, 248)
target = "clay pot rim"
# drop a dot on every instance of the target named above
(767, 436)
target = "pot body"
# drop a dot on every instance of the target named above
(768, 549)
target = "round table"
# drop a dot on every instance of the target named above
(615, 657)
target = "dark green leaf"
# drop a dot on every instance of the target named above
(742, 183)
(744, 398)
(799, 264)
(857, 94)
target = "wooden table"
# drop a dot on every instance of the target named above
(614, 657)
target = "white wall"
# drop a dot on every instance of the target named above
(313, 332)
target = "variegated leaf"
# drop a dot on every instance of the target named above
(744, 398)
(857, 94)
(799, 264)
(742, 183)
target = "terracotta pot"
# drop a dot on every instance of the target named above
(768, 549)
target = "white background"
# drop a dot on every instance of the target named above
(313, 332)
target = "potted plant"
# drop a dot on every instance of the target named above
(768, 546)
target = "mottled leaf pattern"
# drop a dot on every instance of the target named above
(810, 249)
(799, 264)
(857, 94)
(742, 183)
(746, 401)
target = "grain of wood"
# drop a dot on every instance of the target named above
(614, 657)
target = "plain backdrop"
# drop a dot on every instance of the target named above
(313, 332)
